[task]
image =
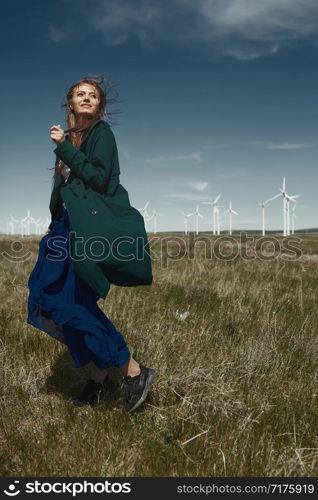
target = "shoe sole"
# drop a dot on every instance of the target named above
(150, 379)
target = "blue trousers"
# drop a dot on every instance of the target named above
(62, 305)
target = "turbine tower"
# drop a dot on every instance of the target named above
(281, 193)
(230, 211)
(217, 216)
(154, 217)
(293, 218)
(185, 220)
(38, 225)
(25, 223)
(10, 225)
(197, 215)
(288, 199)
(263, 204)
(214, 211)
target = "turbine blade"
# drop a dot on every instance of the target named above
(273, 197)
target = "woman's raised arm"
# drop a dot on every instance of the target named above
(94, 172)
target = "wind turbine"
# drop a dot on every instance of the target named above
(25, 223)
(215, 211)
(144, 212)
(10, 225)
(230, 211)
(262, 204)
(22, 227)
(197, 215)
(154, 217)
(282, 193)
(217, 216)
(185, 220)
(45, 224)
(286, 199)
(38, 225)
(270, 199)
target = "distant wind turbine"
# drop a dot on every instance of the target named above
(217, 216)
(186, 220)
(25, 223)
(262, 204)
(38, 225)
(197, 215)
(286, 199)
(10, 225)
(215, 212)
(230, 211)
(45, 224)
(144, 212)
(154, 217)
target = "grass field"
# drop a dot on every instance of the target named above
(237, 387)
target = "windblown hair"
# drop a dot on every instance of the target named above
(77, 128)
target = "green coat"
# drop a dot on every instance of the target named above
(109, 242)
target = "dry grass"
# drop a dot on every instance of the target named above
(238, 375)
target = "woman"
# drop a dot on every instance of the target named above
(88, 205)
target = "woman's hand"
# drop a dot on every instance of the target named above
(47, 231)
(57, 134)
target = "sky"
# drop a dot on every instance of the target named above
(216, 96)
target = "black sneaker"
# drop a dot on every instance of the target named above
(136, 388)
(93, 392)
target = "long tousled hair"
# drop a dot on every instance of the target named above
(77, 128)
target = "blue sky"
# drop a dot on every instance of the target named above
(217, 96)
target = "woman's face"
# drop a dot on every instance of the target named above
(85, 100)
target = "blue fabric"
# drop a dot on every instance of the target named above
(65, 307)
